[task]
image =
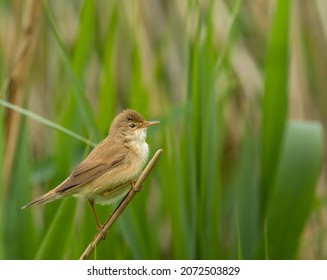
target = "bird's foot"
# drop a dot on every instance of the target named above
(133, 183)
(102, 232)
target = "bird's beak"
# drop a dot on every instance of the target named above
(147, 124)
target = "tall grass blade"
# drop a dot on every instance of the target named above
(2, 199)
(108, 88)
(292, 200)
(19, 231)
(275, 100)
(76, 66)
(242, 196)
(59, 235)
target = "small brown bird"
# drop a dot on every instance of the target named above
(109, 171)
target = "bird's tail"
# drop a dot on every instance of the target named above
(48, 197)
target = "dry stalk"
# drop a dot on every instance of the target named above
(15, 87)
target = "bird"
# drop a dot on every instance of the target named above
(110, 170)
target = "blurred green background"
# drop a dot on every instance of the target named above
(240, 90)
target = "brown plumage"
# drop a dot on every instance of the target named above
(108, 171)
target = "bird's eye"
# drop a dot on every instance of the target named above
(132, 125)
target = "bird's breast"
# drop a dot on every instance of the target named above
(142, 149)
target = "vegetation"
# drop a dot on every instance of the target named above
(239, 88)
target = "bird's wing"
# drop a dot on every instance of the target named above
(96, 164)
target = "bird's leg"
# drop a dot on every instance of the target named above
(99, 226)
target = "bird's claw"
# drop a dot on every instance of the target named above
(102, 232)
(136, 189)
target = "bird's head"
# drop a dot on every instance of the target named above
(129, 125)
